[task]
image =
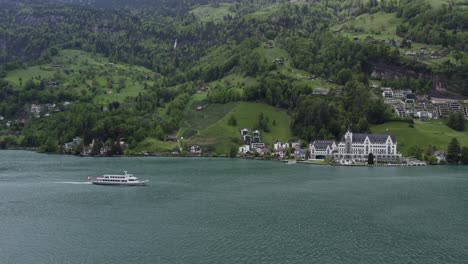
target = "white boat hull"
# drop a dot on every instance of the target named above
(139, 183)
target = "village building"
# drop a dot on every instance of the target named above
(195, 149)
(401, 93)
(300, 154)
(36, 109)
(440, 156)
(244, 149)
(280, 153)
(279, 145)
(321, 91)
(295, 145)
(410, 53)
(423, 115)
(321, 149)
(387, 92)
(356, 147)
(70, 146)
(105, 150)
(256, 141)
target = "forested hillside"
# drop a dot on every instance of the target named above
(132, 69)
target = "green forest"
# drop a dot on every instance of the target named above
(113, 72)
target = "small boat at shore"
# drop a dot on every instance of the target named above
(291, 162)
(118, 179)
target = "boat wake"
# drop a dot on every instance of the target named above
(74, 182)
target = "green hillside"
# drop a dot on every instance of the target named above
(220, 136)
(84, 73)
(206, 13)
(422, 134)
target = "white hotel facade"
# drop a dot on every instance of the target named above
(356, 147)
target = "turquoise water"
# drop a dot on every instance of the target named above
(201, 210)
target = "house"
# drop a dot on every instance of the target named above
(86, 151)
(410, 97)
(247, 139)
(244, 149)
(321, 91)
(321, 149)
(300, 154)
(70, 146)
(440, 156)
(387, 92)
(410, 53)
(279, 60)
(436, 55)
(424, 115)
(424, 51)
(256, 137)
(356, 147)
(277, 145)
(401, 93)
(244, 132)
(105, 150)
(35, 109)
(280, 153)
(195, 149)
(257, 145)
(295, 145)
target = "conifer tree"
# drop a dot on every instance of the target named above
(453, 152)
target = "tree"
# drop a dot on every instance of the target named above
(50, 146)
(464, 156)
(456, 121)
(453, 152)
(370, 159)
(233, 152)
(232, 121)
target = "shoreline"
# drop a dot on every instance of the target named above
(307, 162)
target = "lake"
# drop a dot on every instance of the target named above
(213, 210)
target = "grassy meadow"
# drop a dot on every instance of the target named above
(422, 134)
(84, 73)
(208, 13)
(220, 136)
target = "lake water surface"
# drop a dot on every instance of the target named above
(202, 210)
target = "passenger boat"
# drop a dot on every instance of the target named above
(116, 179)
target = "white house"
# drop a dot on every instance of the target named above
(387, 92)
(195, 149)
(356, 147)
(321, 149)
(256, 142)
(244, 132)
(36, 109)
(277, 145)
(244, 149)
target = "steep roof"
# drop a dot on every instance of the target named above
(374, 138)
(322, 144)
